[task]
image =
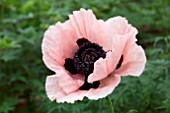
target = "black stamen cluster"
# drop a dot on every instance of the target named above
(86, 56)
(84, 59)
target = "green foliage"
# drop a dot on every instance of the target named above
(23, 74)
(8, 104)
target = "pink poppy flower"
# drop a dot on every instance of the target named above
(89, 56)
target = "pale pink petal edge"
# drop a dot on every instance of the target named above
(55, 92)
(59, 88)
(119, 25)
(134, 61)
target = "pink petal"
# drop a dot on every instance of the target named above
(118, 45)
(72, 97)
(53, 89)
(134, 60)
(59, 42)
(68, 83)
(86, 25)
(60, 85)
(119, 25)
(103, 67)
(106, 87)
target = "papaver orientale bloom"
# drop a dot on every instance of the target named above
(89, 56)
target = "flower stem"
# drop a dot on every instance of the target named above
(110, 105)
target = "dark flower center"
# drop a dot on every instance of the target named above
(84, 59)
(86, 56)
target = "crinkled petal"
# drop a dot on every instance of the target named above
(86, 25)
(68, 83)
(60, 85)
(53, 90)
(103, 67)
(119, 25)
(134, 60)
(106, 87)
(72, 97)
(119, 43)
(59, 43)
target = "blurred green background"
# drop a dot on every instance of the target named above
(23, 74)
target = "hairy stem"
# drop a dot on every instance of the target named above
(110, 105)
